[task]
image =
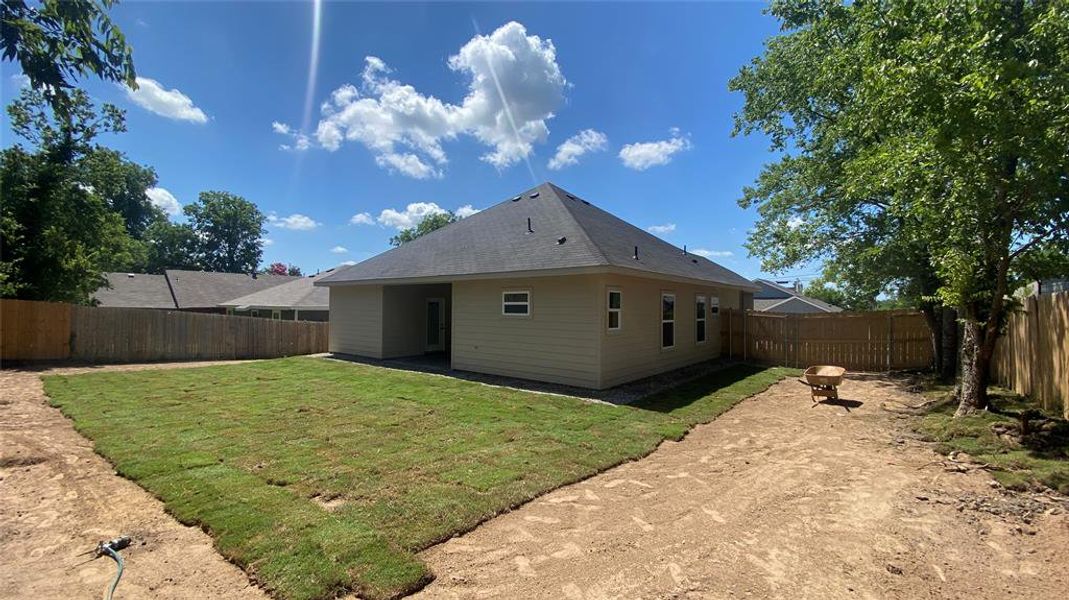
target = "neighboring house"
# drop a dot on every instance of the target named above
(542, 286)
(195, 291)
(135, 290)
(297, 300)
(775, 298)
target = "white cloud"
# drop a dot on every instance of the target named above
(795, 222)
(300, 142)
(164, 200)
(339, 250)
(20, 80)
(466, 211)
(643, 155)
(267, 241)
(173, 104)
(349, 263)
(713, 253)
(362, 219)
(576, 146)
(666, 228)
(410, 216)
(296, 221)
(514, 85)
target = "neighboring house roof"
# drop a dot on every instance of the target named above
(773, 295)
(300, 294)
(135, 290)
(566, 233)
(204, 289)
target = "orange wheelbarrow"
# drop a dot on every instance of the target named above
(824, 380)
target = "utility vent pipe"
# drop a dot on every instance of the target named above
(636, 253)
(529, 230)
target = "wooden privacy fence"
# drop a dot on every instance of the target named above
(870, 341)
(1032, 358)
(50, 331)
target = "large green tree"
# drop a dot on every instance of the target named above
(228, 229)
(123, 183)
(58, 234)
(171, 246)
(57, 41)
(936, 129)
(426, 225)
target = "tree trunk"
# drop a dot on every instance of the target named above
(949, 339)
(973, 371)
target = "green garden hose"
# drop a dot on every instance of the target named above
(118, 575)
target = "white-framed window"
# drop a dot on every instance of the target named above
(714, 305)
(616, 307)
(699, 319)
(668, 320)
(516, 303)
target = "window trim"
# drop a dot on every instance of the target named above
(527, 303)
(702, 318)
(675, 307)
(609, 310)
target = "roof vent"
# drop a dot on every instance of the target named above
(585, 202)
(516, 199)
(561, 240)
(636, 253)
(684, 249)
(529, 230)
(694, 260)
(130, 275)
(533, 195)
(570, 197)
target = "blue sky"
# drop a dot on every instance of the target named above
(640, 89)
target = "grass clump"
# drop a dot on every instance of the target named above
(250, 452)
(1037, 456)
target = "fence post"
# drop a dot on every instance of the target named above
(890, 338)
(745, 316)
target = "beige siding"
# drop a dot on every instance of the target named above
(635, 350)
(558, 342)
(356, 320)
(404, 318)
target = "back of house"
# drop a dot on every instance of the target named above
(543, 286)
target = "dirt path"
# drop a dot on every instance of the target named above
(58, 498)
(773, 500)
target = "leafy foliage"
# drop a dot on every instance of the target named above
(428, 224)
(58, 228)
(922, 148)
(57, 41)
(281, 268)
(171, 246)
(228, 229)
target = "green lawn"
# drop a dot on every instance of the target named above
(252, 452)
(1040, 459)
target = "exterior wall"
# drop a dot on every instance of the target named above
(795, 306)
(404, 318)
(747, 300)
(558, 342)
(356, 320)
(634, 351)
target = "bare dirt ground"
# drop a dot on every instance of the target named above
(58, 498)
(773, 500)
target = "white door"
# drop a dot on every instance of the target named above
(435, 324)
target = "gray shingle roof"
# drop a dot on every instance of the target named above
(202, 289)
(300, 294)
(496, 240)
(773, 293)
(135, 290)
